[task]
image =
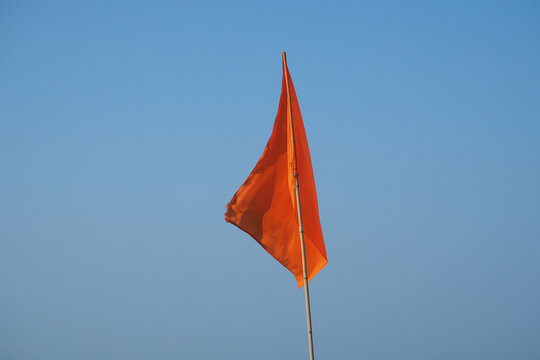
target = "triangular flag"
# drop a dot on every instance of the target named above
(265, 206)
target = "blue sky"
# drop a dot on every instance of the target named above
(126, 127)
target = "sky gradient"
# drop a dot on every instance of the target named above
(126, 127)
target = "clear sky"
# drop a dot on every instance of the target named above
(126, 127)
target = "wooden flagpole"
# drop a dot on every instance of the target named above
(300, 224)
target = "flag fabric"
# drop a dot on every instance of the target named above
(265, 206)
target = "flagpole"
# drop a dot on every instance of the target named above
(304, 268)
(300, 224)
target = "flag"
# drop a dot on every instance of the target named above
(265, 206)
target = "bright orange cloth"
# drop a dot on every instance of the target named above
(265, 205)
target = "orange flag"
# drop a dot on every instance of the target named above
(266, 206)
